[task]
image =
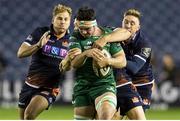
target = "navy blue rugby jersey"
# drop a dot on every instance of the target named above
(121, 76)
(44, 67)
(138, 54)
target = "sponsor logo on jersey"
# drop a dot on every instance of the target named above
(146, 52)
(87, 47)
(54, 51)
(135, 100)
(73, 102)
(146, 102)
(50, 100)
(63, 52)
(89, 43)
(47, 48)
(65, 43)
(73, 44)
(29, 38)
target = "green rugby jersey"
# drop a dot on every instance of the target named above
(86, 71)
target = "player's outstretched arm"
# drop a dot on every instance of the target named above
(119, 34)
(26, 50)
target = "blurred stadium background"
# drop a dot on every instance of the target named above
(160, 22)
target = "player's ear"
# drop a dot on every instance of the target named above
(139, 26)
(52, 21)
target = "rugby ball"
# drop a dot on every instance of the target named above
(102, 72)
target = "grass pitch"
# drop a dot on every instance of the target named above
(66, 113)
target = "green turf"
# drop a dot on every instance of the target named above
(66, 113)
(170, 114)
(54, 113)
(58, 113)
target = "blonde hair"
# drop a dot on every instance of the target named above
(61, 8)
(133, 12)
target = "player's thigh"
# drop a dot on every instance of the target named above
(37, 104)
(105, 92)
(136, 113)
(25, 95)
(83, 107)
(127, 99)
(146, 94)
(145, 91)
(84, 112)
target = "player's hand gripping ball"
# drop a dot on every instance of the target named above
(102, 72)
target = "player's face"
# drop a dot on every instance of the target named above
(86, 31)
(61, 22)
(131, 23)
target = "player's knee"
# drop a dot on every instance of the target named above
(107, 102)
(106, 114)
(136, 113)
(29, 116)
(79, 117)
(106, 107)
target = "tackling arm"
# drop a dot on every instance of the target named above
(117, 35)
(139, 59)
(135, 64)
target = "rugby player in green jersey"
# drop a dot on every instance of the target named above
(94, 93)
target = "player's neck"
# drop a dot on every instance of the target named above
(98, 31)
(59, 35)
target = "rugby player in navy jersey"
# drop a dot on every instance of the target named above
(138, 54)
(48, 46)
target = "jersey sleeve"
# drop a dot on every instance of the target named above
(115, 48)
(139, 59)
(74, 43)
(34, 37)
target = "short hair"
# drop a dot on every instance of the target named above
(61, 8)
(86, 14)
(133, 12)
